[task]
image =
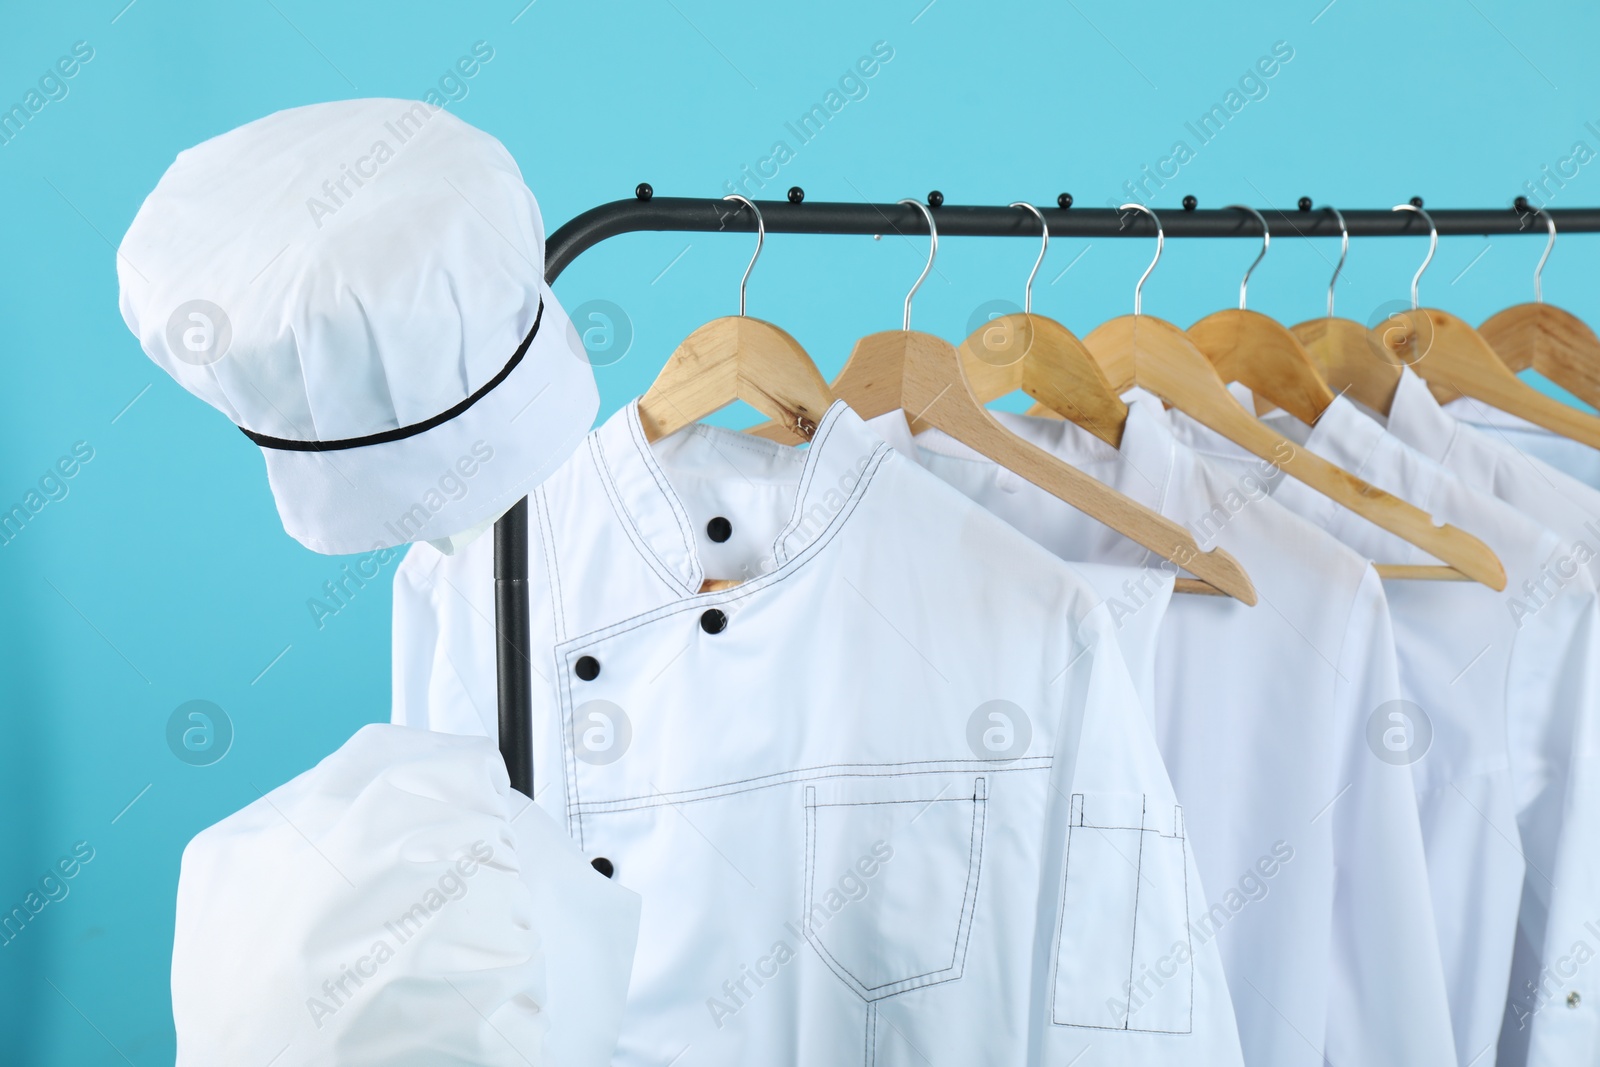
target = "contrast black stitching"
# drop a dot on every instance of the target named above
(786, 571)
(564, 649)
(547, 534)
(1075, 823)
(1138, 878)
(979, 801)
(547, 547)
(808, 473)
(783, 778)
(663, 486)
(674, 584)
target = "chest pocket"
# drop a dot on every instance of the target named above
(1124, 960)
(891, 880)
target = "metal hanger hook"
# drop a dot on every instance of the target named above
(1433, 246)
(1538, 272)
(1027, 290)
(933, 250)
(1161, 240)
(1266, 242)
(761, 239)
(1344, 250)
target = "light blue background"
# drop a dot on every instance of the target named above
(164, 575)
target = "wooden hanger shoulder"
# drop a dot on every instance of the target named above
(1044, 359)
(1161, 358)
(1144, 351)
(737, 358)
(925, 376)
(1550, 340)
(1350, 360)
(1456, 361)
(1264, 356)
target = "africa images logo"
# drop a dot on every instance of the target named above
(1399, 732)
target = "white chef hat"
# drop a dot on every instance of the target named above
(397, 905)
(359, 285)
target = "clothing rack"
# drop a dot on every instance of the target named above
(513, 655)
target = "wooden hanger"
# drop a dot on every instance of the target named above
(1044, 359)
(1260, 353)
(1347, 355)
(921, 374)
(738, 358)
(1543, 337)
(1456, 361)
(1140, 350)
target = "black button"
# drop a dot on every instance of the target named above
(588, 668)
(719, 529)
(603, 865)
(713, 621)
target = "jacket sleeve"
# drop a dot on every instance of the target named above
(1553, 1011)
(1126, 969)
(1387, 994)
(443, 667)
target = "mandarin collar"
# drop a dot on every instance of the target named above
(827, 473)
(1416, 417)
(1148, 447)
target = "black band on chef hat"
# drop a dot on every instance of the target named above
(400, 433)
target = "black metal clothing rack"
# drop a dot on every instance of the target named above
(707, 215)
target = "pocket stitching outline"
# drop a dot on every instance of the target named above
(871, 994)
(1183, 839)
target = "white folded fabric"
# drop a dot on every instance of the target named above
(396, 905)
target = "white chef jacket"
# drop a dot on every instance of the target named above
(1552, 1016)
(1489, 682)
(1487, 458)
(1562, 453)
(891, 800)
(1311, 848)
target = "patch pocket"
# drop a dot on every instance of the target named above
(1124, 959)
(891, 884)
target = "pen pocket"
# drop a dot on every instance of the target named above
(1123, 955)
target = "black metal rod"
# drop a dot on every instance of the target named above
(708, 215)
(514, 668)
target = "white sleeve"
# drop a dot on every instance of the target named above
(373, 909)
(1553, 1011)
(443, 641)
(1388, 999)
(1125, 974)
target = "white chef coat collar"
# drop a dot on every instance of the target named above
(1429, 428)
(1468, 409)
(825, 474)
(1148, 446)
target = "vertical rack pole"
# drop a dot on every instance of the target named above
(513, 665)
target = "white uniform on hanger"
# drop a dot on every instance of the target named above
(889, 800)
(1310, 848)
(1553, 1014)
(1562, 453)
(1488, 457)
(1492, 689)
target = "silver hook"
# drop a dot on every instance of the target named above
(933, 250)
(1266, 242)
(761, 239)
(1161, 240)
(1344, 250)
(1538, 272)
(1433, 246)
(1027, 290)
